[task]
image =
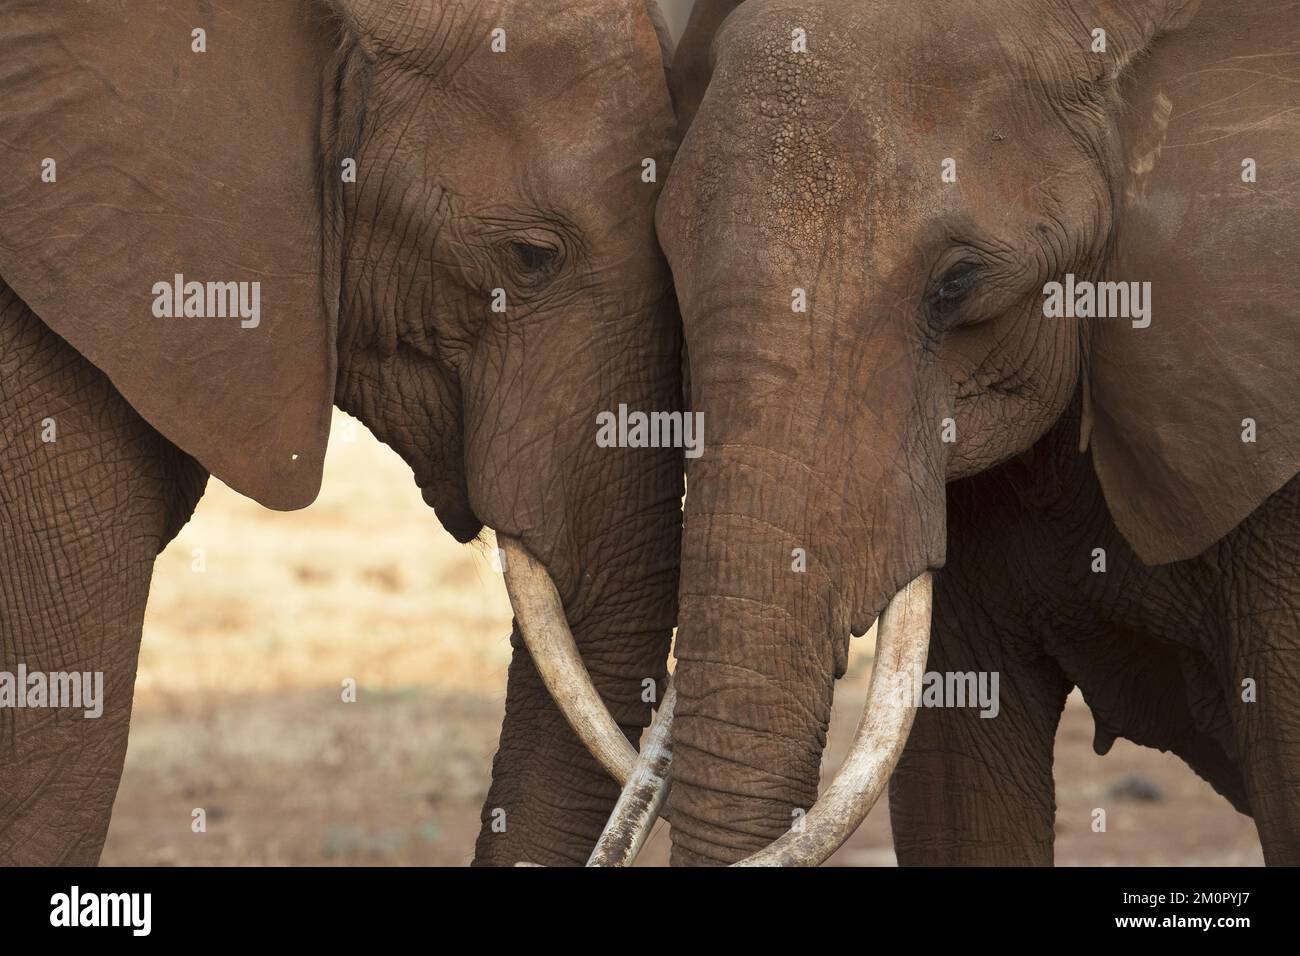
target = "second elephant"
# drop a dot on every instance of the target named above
(872, 222)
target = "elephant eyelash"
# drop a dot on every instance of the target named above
(957, 282)
(944, 302)
(534, 258)
(531, 264)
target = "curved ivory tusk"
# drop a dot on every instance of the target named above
(540, 615)
(644, 795)
(902, 644)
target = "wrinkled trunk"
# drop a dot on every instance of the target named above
(550, 796)
(754, 684)
(606, 528)
(817, 499)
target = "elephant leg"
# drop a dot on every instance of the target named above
(972, 790)
(1261, 666)
(89, 494)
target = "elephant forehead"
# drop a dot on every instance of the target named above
(876, 47)
(872, 113)
(439, 32)
(584, 81)
(846, 72)
(520, 61)
(559, 110)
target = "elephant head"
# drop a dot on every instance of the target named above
(865, 222)
(438, 216)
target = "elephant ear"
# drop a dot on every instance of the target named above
(692, 62)
(1173, 405)
(130, 157)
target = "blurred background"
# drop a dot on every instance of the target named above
(256, 618)
(677, 12)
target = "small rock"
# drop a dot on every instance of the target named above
(1136, 788)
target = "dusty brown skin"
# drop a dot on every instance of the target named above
(475, 171)
(822, 171)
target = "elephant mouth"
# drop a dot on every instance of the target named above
(903, 643)
(453, 511)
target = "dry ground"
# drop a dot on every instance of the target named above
(239, 709)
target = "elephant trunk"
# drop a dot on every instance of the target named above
(754, 682)
(589, 557)
(577, 695)
(545, 631)
(818, 505)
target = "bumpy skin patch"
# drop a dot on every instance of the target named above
(791, 98)
(806, 179)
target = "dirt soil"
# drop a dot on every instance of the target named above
(257, 619)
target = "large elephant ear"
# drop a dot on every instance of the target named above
(1196, 418)
(148, 140)
(692, 66)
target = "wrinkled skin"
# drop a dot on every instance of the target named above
(475, 171)
(924, 414)
(1159, 654)
(81, 520)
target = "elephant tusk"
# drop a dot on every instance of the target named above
(902, 645)
(644, 794)
(540, 614)
(901, 648)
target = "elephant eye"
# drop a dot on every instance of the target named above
(532, 260)
(957, 282)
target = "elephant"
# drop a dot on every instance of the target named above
(220, 218)
(990, 309)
